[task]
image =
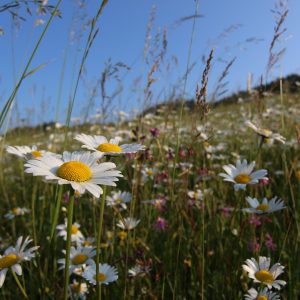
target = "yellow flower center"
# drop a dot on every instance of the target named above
(242, 178)
(206, 144)
(36, 154)
(119, 201)
(266, 132)
(107, 147)
(122, 235)
(74, 229)
(262, 298)
(79, 259)
(8, 260)
(74, 171)
(264, 276)
(87, 243)
(101, 277)
(149, 172)
(15, 211)
(262, 207)
(76, 287)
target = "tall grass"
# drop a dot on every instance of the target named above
(193, 235)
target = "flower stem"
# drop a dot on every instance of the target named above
(68, 246)
(19, 285)
(58, 195)
(102, 205)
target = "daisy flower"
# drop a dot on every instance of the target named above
(242, 174)
(80, 257)
(76, 235)
(262, 273)
(27, 152)
(118, 198)
(88, 242)
(13, 256)
(100, 144)
(265, 206)
(266, 134)
(265, 294)
(139, 270)
(128, 223)
(79, 169)
(107, 274)
(78, 290)
(16, 211)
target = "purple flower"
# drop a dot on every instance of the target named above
(154, 132)
(269, 242)
(255, 220)
(161, 224)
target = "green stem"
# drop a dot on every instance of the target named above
(102, 206)
(58, 195)
(68, 246)
(19, 284)
(33, 199)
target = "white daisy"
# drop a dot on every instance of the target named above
(13, 256)
(100, 144)
(16, 211)
(265, 206)
(138, 270)
(266, 134)
(80, 257)
(128, 223)
(261, 273)
(80, 169)
(118, 198)
(88, 242)
(265, 294)
(106, 274)
(76, 235)
(78, 290)
(27, 152)
(242, 174)
(196, 195)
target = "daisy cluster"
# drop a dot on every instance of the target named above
(241, 175)
(169, 190)
(83, 171)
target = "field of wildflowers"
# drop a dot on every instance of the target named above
(217, 219)
(184, 200)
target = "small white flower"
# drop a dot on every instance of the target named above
(107, 274)
(100, 144)
(118, 198)
(265, 294)
(265, 206)
(78, 290)
(128, 223)
(27, 153)
(80, 257)
(76, 235)
(79, 169)
(138, 270)
(16, 211)
(261, 272)
(266, 133)
(242, 174)
(13, 256)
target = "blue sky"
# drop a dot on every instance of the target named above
(121, 38)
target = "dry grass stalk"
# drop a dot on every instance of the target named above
(201, 94)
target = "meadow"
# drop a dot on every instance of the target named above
(185, 200)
